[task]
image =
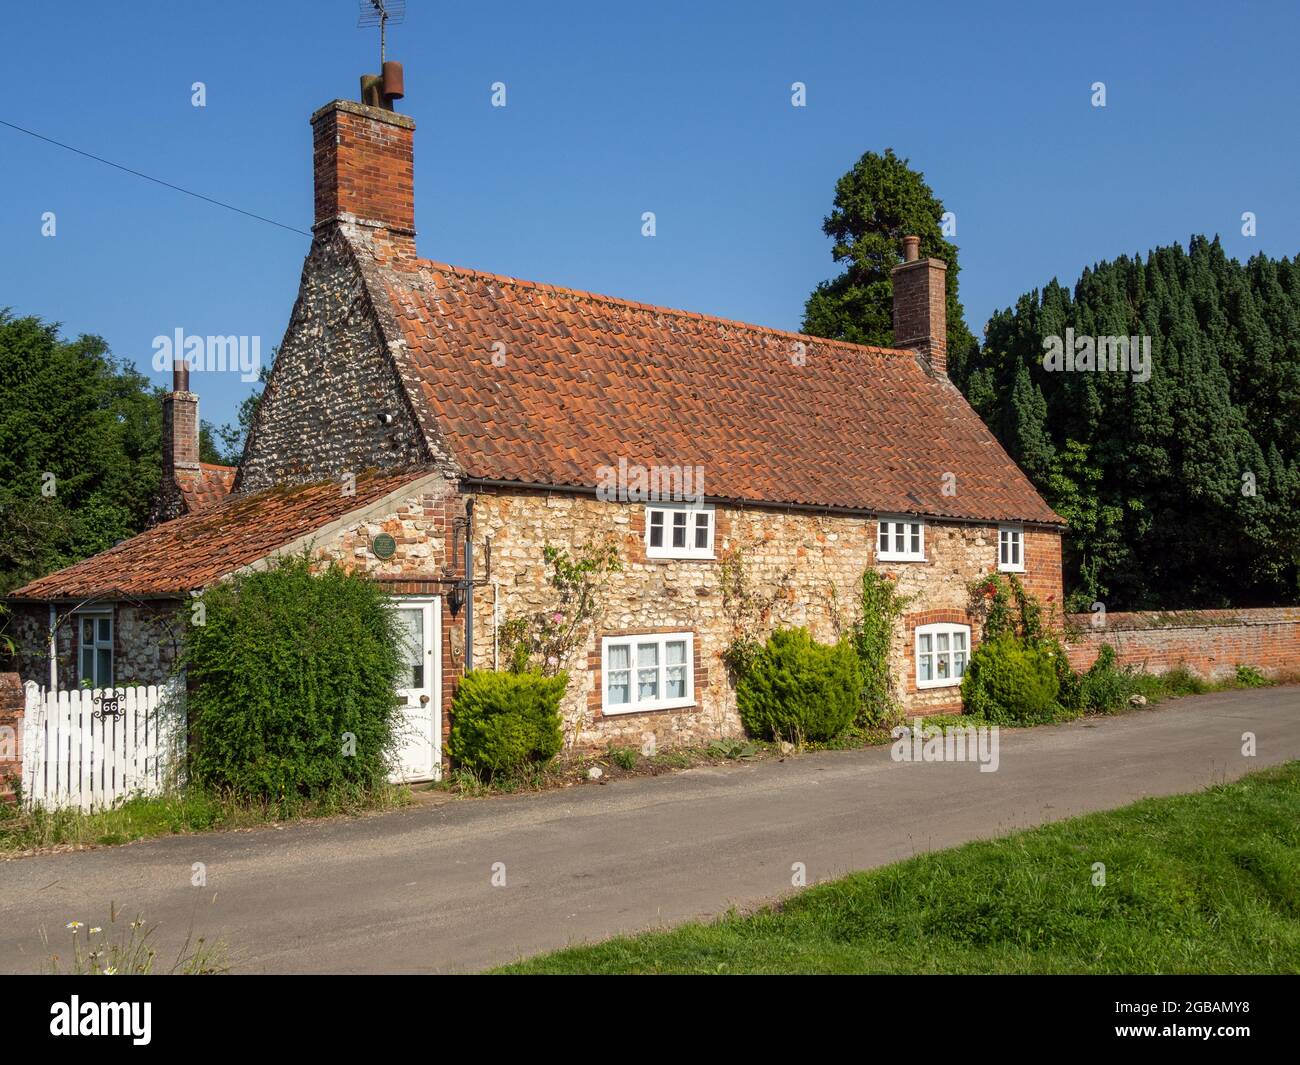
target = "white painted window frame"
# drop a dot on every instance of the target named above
(97, 645)
(892, 554)
(692, 513)
(632, 641)
(1013, 535)
(934, 630)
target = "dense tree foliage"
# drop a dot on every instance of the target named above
(1182, 490)
(80, 449)
(877, 203)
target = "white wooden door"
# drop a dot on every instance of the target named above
(419, 692)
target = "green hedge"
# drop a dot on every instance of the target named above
(502, 721)
(1009, 682)
(796, 688)
(287, 665)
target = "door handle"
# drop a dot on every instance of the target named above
(424, 700)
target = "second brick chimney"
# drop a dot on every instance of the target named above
(180, 426)
(365, 170)
(181, 471)
(921, 306)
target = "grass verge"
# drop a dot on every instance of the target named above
(1201, 883)
(165, 815)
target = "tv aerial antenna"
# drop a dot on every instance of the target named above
(380, 13)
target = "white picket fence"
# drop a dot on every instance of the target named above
(75, 754)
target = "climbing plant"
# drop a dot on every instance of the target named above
(873, 634)
(544, 641)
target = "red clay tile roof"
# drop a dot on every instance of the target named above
(194, 550)
(772, 417)
(211, 486)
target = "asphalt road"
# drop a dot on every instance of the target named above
(413, 891)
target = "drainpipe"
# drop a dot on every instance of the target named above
(469, 584)
(496, 625)
(54, 648)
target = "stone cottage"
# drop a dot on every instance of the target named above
(439, 426)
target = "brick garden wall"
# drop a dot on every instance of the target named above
(12, 704)
(1210, 643)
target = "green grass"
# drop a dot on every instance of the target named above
(1202, 883)
(193, 811)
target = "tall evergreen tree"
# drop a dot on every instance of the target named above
(877, 203)
(1182, 490)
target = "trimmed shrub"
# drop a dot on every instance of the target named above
(286, 665)
(1011, 683)
(503, 721)
(798, 688)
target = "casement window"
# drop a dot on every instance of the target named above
(901, 540)
(678, 531)
(1011, 549)
(95, 646)
(942, 652)
(651, 672)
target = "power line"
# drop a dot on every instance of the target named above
(156, 181)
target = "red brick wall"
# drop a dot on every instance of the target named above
(1043, 574)
(1210, 643)
(12, 703)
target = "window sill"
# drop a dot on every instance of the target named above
(619, 711)
(931, 685)
(1011, 569)
(901, 558)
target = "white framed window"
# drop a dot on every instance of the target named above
(678, 530)
(95, 650)
(651, 672)
(1011, 549)
(901, 540)
(942, 652)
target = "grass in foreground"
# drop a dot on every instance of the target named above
(192, 811)
(1202, 883)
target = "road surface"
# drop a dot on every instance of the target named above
(413, 890)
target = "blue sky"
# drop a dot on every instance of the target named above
(681, 108)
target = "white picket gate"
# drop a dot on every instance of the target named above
(75, 754)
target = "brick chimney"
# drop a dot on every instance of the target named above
(180, 439)
(364, 170)
(921, 306)
(180, 427)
